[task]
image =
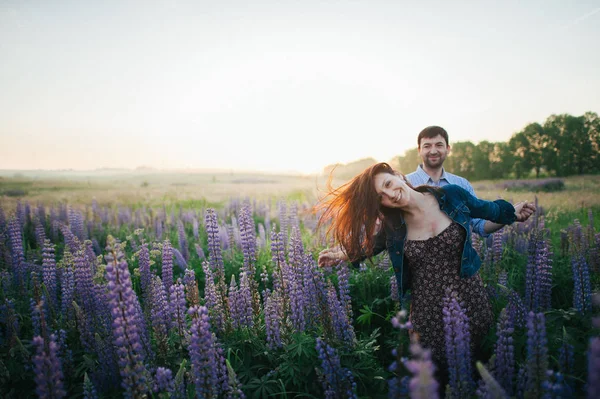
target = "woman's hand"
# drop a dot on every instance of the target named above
(523, 210)
(331, 256)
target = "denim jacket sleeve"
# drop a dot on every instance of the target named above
(498, 211)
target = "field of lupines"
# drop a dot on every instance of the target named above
(228, 302)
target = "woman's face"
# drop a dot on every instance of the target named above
(392, 190)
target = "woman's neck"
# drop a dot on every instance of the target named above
(419, 205)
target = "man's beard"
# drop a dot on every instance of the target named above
(435, 164)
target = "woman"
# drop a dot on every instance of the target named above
(426, 231)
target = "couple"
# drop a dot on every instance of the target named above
(426, 228)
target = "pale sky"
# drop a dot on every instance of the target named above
(281, 85)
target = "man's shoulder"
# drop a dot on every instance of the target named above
(411, 175)
(457, 180)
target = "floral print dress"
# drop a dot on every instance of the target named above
(435, 265)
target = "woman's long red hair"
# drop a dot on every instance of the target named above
(353, 210)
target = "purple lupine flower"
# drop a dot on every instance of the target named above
(179, 259)
(215, 257)
(497, 247)
(15, 235)
(167, 265)
(245, 300)
(2, 220)
(159, 313)
(278, 257)
(76, 224)
(200, 252)
(47, 368)
(202, 354)
(504, 370)
(40, 234)
(539, 272)
(422, 385)
(295, 248)
(273, 319)
(515, 308)
(10, 319)
(178, 307)
(566, 354)
(84, 283)
(593, 377)
(192, 293)
(398, 385)
(213, 299)
(343, 274)
(20, 214)
(235, 310)
(158, 229)
(342, 327)
(293, 220)
(556, 386)
(227, 236)
(337, 381)
(195, 228)
(39, 315)
(315, 292)
(49, 272)
(283, 222)
(248, 238)
(163, 380)
(126, 327)
(223, 377)
(53, 221)
(67, 286)
(183, 244)
(582, 292)
(145, 272)
(71, 241)
(264, 279)
(537, 354)
(262, 235)
(63, 211)
(295, 296)
(458, 350)
(64, 353)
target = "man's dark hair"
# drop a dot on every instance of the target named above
(430, 132)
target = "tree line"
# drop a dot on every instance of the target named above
(564, 145)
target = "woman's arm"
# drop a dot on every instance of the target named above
(498, 212)
(333, 255)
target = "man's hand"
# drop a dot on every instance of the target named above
(523, 210)
(331, 256)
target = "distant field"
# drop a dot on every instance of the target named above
(155, 189)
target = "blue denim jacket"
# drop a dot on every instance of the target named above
(460, 206)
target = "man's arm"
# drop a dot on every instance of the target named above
(480, 226)
(489, 227)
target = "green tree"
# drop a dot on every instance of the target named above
(592, 125)
(519, 147)
(501, 160)
(481, 158)
(460, 160)
(540, 147)
(573, 150)
(408, 162)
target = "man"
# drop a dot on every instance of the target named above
(433, 147)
